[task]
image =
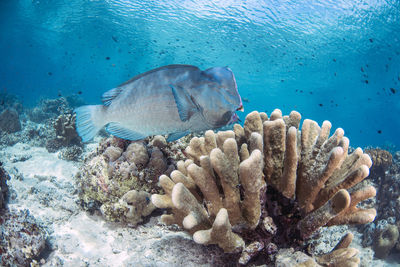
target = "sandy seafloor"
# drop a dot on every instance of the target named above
(44, 184)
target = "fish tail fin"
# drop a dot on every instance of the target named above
(89, 120)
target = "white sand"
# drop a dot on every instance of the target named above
(76, 238)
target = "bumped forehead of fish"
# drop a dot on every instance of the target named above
(224, 76)
(225, 83)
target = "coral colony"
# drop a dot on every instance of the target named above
(268, 184)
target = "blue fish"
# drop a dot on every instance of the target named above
(174, 100)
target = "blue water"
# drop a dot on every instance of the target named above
(334, 60)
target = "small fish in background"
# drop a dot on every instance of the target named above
(174, 100)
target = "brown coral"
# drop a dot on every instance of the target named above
(382, 160)
(118, 178)
(9, 121)
(380, 157)
(231, 169)
(385, 240)
(66, 135)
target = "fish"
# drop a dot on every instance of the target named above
(172, 100)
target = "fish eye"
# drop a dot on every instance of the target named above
(223, 120)
(226, 117)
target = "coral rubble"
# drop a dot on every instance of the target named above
(341, 255)
(382, 234)
(118, 178)
(267, 185)
(22, 239)
(72, 153)
(3, 187)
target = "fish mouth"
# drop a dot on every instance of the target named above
(233, 119)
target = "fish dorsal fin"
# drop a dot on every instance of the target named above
(172, 66)
(185, 103)
(120, 131)
(109, 96)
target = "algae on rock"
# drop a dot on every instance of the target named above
(385, 240)
(118, 178)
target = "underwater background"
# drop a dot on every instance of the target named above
(294, 193)
(334, 60)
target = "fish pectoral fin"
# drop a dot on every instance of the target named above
(120, 131)
(109, 96)
(176, 136)
(184, 102)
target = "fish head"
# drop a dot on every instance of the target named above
(219, 97)
(226, 82)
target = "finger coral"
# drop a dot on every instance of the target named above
(266, 183)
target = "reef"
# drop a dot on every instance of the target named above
(385, 240)
(51, 108)
(10, 101)
(9, 121)
(48, 109)
(382, 160)
(65, 135)
(119, 177)
(50, 124)
(31, 133)
(266, 186)
(22, 239)
(383, 234)
(3, 186)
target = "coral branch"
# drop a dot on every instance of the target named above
(354, 215)
(252, 180)
(221, 234)
(321, 216)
